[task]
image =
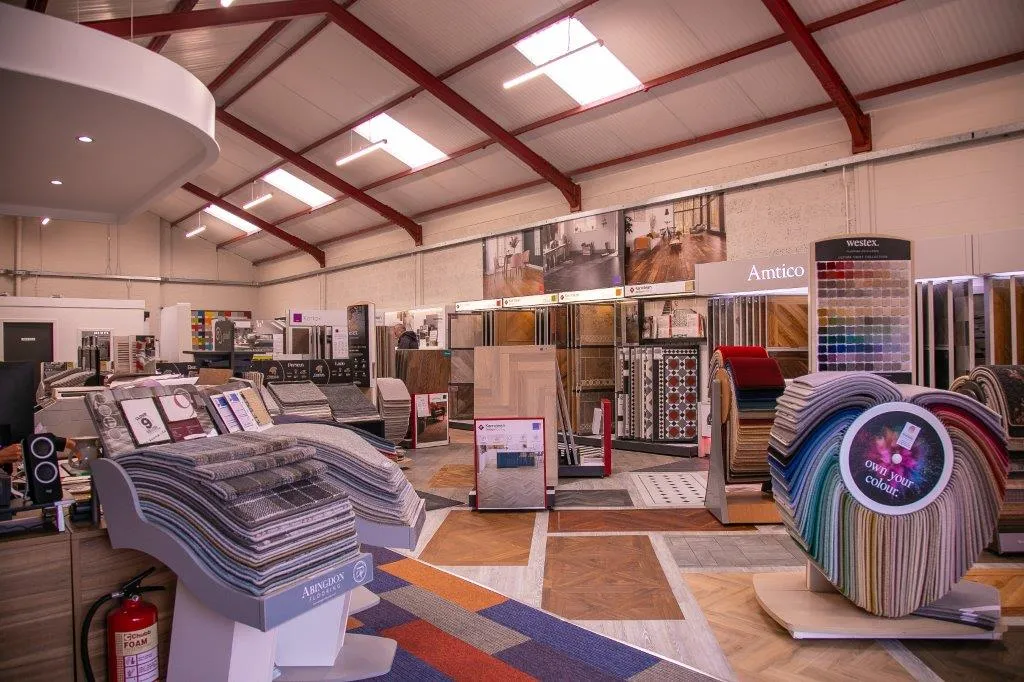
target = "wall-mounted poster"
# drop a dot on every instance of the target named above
(583, 253)
(861, 294)
(427, 323)
(513, 265)
(665, 241)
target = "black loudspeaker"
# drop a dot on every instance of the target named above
(41, 468)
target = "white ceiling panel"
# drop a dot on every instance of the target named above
(815, 10)
(971, 31)
(482, 83)
(176, 204)
(776, 80)
(347, 217)
(577, 145)
(706, 102)
(211, 48)
(655, 37)
(497, 168)
(451, 31)
(240, 151)
(415, 196)
(436, 123)
(98, 10)
(257, 249)
(276, 110)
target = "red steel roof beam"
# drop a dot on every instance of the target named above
(160, 24)
(807, 46)
(158, 43)
(267, 227)
(719, 134)
(322, 174)
(432, 84)
(248, 54)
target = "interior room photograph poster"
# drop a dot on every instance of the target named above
(513, 265)
(583, 253)
(665, 241)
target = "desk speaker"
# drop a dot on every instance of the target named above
(41, 469)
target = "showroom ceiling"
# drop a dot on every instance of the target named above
(302, 84)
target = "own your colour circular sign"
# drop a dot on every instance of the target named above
(896, 458)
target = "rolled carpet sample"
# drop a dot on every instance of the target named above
(1003, 389)
(892, 491)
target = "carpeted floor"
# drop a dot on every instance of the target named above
(450, 629)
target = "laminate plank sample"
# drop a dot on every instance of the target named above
(468, 538)
(615, 577)
(514, 327)
(519, 381)
(593, 498)
(759, 648)
(640, 520)
(467, 330)
(424, 371)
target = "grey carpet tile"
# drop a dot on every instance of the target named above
(735, 551)
(483, 633)
(667, 671)
(681, 464)
(437, 501)
(593, 498)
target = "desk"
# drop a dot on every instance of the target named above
(555, 254)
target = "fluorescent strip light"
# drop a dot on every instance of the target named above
(231, 219)
(361, 153)
(298, 188)
(258, 200)
(399, 141)
(195, 231)
(226, 3)
(542, 68)
(45, 221)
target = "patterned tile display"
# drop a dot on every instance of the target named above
(678, 394)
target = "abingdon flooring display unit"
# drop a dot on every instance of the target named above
(891, 491)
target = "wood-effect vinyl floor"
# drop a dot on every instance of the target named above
(663, 264)
(527, 282)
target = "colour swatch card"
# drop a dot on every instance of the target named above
(863, 288)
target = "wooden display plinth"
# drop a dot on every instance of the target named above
(810, 614)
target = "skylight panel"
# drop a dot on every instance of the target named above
(300, 189)
(586, 75)
(399, 141)
(231, 219)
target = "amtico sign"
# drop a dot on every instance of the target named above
(781, 272)
(786, 271)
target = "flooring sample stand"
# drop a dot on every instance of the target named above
(743, 507)
(808, 607)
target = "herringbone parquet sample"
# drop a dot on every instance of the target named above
(462, 366)
(519, 381)
(1009, 582)
(759, 649)
(481, 539)
(612, 521)
(787, 322)
(513, 327)
(454, 476)
(615, 577)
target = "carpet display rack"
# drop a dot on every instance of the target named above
(1001, 388)
(892, 491)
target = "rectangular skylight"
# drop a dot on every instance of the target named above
(402, 143)
(587, 75)
(300, 189)
(231, 219)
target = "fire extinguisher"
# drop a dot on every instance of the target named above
(131, 634)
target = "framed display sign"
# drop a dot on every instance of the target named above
(896, 458)
(509, 458)
(862, 309)
(430, 419)
(144, 421)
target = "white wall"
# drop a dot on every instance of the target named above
(70, 316)
(963, 190)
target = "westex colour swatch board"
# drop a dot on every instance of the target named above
(862, 306)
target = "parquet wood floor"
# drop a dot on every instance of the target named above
(1009, 582)
(606, 578)
(662, 264)
(514, 327)
(759, 649)
(468, 538)
(528, 282)
(454, 476)
(586, 521)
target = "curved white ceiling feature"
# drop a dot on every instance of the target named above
(151, 121)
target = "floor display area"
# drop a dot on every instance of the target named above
(664, 341)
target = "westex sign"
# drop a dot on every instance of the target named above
(786, 271)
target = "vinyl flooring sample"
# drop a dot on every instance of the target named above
(469, 538)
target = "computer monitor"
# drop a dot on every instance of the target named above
(17, 401)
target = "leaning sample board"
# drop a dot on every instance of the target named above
(510, 463)
(519, 381)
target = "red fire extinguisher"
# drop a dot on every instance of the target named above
(131, 635)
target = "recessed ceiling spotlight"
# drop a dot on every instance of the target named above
(84, 138)
(55, 181)
(45, 221)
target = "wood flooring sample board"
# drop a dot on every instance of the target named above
(519, 381)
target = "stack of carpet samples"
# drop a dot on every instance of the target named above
(1001, 388)
(301, 398)
(750, 383)
(379, 490)
(258, 510)
(348, 403)
(892, 491)
(395, 405)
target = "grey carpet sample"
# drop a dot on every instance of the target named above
(347, 401)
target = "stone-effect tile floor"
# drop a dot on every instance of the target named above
(735, 551)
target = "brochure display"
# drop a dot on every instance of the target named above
(509, 457)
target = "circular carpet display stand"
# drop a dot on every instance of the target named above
(892, 492)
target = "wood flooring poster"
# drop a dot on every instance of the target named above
(583, 253)
(664, 242)
(513, 265)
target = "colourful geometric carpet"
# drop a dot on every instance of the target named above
(451, 629)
